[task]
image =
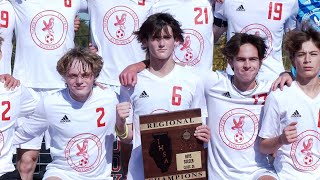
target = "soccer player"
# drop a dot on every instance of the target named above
(196, 19)
(14, 103)
(44, 32)
(268, 19)
(164, 86)
(7, 22)
(291, 121)
(234, 105)
(81, 119)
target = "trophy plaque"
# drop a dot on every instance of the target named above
(169, 147)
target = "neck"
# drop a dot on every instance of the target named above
(244, 86)
(160, 67)
(311, 86)
(80, 99)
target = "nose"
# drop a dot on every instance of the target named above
(246, 64)
(307, 58)
(161, 42)
(79, 80)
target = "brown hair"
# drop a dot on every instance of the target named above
(232, 47)
(84, 56)
(294, 39)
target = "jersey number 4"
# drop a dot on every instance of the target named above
(7, 107)
(176, 96)
(275, 11)
(4, 16)
(99, 123)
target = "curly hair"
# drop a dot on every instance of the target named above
(294, 39)
(84, 56)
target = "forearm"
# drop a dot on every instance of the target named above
(124, 132)
(270, 145)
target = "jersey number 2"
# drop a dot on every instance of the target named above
(99, 123)
(176, 96)
(4, 16)
(6, 110)
(275, 11)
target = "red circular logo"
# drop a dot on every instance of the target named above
(83, 152)
(305, 151)
(119, 23)
(49, 29)
(238, 128)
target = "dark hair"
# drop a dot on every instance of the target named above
(294, 39)
(84, 56)
(232, 47)
(154, 25)
(1, 40)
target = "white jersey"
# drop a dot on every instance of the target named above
(196, 19)
(112, 25)
(234, 122)
(299, 160)
(267, 19)
(178, 90)
(83, 133)
(44, 32)
(14, 104)
(7, 22)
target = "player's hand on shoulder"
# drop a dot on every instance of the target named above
(128, 77)
(285, 78)
(9, 81)
(289, 134)
(77, 23)
(203, 133)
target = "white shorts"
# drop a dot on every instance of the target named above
(68, 175)
(35, 143)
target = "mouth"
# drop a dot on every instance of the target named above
(307, 68)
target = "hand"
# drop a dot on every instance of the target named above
(203, 133)
(123, 111)
(9, 81)
(77, 23)
(285, 78)
(128, 77)
(289, 134)
(92, 48)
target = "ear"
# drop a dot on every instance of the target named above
(144, 43)
(230, 62)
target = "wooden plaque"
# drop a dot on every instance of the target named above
(170, 150)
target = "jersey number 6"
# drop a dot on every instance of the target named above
(176, 97)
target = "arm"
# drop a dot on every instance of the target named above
(271, 145)
(32, 127)
(202, 132)
(128, 77)
(124, 131)
(220, 22)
